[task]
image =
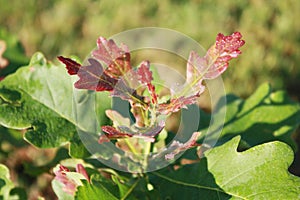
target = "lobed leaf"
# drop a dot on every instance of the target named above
(39, 98)
(258, 173)
(176, 104)
(145, 77)
(116, 58)
(214, 63)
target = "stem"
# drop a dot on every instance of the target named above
(130, 189)
(146, 153)
(195, 81)
(131, 147)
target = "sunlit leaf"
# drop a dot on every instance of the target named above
(39, 98)
(116, 58)
(265, 116)
(258, 173)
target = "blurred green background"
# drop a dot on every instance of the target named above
(271, 30)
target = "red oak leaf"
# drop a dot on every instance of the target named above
(80, 169)
(70, 185)
(72, 66)
(93, 77)
(127, 93)
(180, 147)
(145, 77)
(146, 134)
(3, 62)
(116, 58)
(176, 104)
(216, 60)
(112, 134)
(144, 73)
(150, 132)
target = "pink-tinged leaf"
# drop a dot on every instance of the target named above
(229, 45)
(122, 132)
(69, 184)
(3, 62)
(155, 130)
(179, 147)
(92, 77)
(117, 118)
(145, 77)
(216, 60)
(72, 66)
(80, 169)
(120, 67)
(144, 73)
(124, 92)
(176, 104)
(144, 131)
(194, 78)
(116, 58)
(195, 66)
(112, 134)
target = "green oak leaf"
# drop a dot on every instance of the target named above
(5, 183)
(89, 191)
(264, 116)
(7, 189)
(260, 172)
(118, 187)
(39, 98)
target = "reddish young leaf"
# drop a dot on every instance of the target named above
(3, 62)
(120, 66)
(146, 134)
(72, 66)
(112, 134)
(123, 91)
(145, 77)
(70, 185)
(144, 73)
(150, 132)
(180, 147)
(176, 104)
(217, 58)
(117, 118)
(80, 169)
(91, 77)
(116, 58)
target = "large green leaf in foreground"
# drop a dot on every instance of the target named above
(264, 116)
(39, 98)
(258, 173)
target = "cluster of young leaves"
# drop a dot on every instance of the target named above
(41, 104)
(123, 81)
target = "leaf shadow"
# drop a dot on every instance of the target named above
(259, 132)
(193, 181)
